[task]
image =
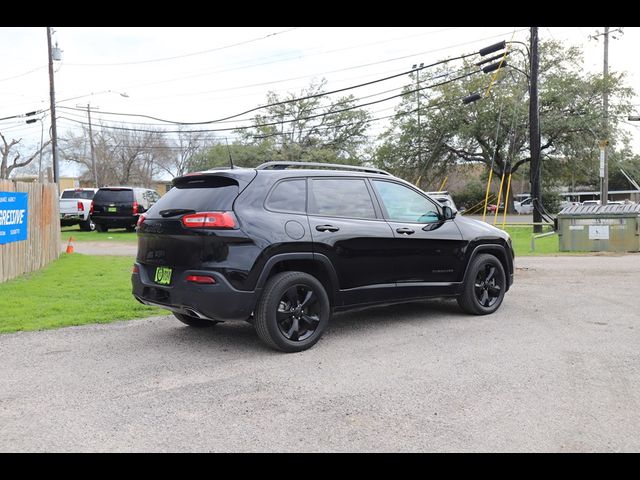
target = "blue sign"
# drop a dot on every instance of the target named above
(14, 210)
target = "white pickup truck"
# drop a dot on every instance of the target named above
(75, 208)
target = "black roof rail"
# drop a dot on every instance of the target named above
(332, 166)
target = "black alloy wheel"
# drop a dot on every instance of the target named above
(298, 313)
(485, 286)
(486, 289)
(293, 311)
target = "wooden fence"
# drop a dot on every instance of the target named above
(43, 240)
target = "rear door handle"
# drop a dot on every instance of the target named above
(405, 231)
(326, 228)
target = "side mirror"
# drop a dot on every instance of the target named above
(448, 213)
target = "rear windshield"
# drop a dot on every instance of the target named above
(113, 196)
(201, 194)
(86, 194)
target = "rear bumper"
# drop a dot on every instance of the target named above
(115, 222)
(219, 301)
(69, 219)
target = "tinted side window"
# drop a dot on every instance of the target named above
(404, 204)
(288, 196)
(341, 198)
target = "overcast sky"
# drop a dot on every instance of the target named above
(200, 74)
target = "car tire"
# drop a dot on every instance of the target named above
(195, 321)
(130, 228)
(293, 312)
(485, 286)
(87, 226)
(101, 228)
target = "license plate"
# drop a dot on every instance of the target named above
(112, 210)
(163, 275)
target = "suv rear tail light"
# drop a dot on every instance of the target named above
(91, 208)
(210, 220)
(80, 207)
(135, 207)
(140, 220)
(135, 269)
(201, 279)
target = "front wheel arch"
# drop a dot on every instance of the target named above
(497, 251)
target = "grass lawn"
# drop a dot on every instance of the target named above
(116, 235)
(521, 238)
(74, 290)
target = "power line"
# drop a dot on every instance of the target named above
(235, 120)
(312, 75)
(293, 100)
(279, 81)
(367, 121)
(23, 74)
(149, 124)
(299, 119)
(201, 52)
(403, 57)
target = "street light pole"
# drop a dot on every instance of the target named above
(54, 130)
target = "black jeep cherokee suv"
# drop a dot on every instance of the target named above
(285, 245)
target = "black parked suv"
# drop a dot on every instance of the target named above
(285, 245)
(120, 207)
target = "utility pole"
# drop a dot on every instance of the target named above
(54, 130)
(534, 131)
(604, 164)
(93, 155)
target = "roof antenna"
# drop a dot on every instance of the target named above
(229, 150)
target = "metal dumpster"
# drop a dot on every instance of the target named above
(599, 228)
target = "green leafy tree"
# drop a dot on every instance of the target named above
(449, 131)
(218, 156)
(316, 129)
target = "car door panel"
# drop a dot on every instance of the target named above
(427, 250)
(356, 245)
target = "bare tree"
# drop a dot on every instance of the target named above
(183, 149)
(9, 165)
(122, 157)
(310, 126)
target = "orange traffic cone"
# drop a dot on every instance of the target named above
(69, 246)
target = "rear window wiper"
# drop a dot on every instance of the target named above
(172, 212)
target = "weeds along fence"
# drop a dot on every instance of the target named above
(42, 245)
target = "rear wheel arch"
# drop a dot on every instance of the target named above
(315, 265)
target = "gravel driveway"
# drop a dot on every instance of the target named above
(103, 248)
(557, 369)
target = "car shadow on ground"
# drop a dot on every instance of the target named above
(240, 337)
(419, 310)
